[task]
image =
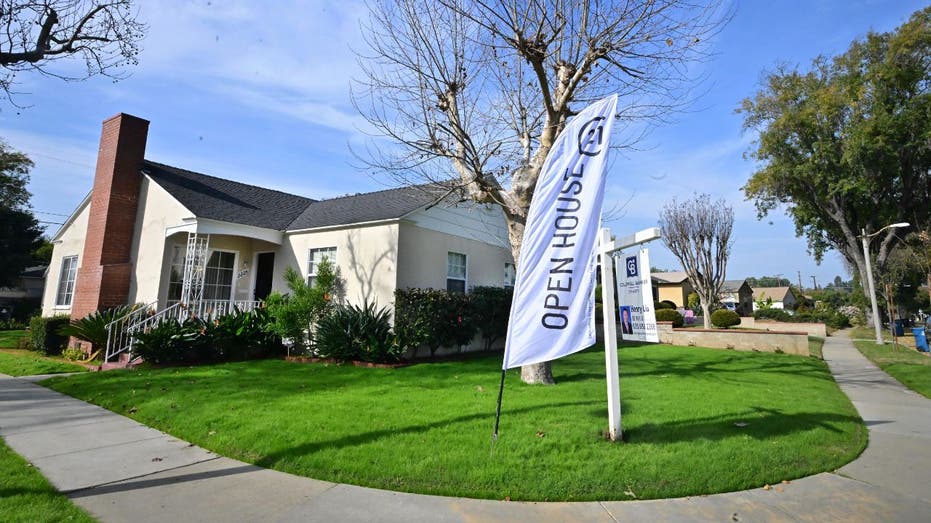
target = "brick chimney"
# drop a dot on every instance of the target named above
(105, 269)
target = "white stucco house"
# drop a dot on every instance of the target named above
(150, 233)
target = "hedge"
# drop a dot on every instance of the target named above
(44, 335)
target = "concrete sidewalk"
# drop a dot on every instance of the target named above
(119, 470)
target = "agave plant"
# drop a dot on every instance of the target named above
(93, 327)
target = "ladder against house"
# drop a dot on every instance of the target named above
(122, 332)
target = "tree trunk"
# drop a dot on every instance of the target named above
(706, 314)
(538, 373)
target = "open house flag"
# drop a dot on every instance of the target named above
(553, 313)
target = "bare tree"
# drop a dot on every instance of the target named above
(698, 232)
(478, 90)
(104, 33)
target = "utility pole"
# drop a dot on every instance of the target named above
(814, 282)
(799, 280)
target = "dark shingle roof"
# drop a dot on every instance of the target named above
(226, 200)
(374, 206)
(732, 285)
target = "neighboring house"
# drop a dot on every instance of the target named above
(149, 232)
(737, 295)
(782, 297)
(28, 288)
(672, 286)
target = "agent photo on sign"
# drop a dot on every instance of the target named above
(626, 326)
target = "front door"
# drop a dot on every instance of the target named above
(263, 275)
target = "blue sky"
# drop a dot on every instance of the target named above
(259, 92)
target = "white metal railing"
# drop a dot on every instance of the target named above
(121, 333)
(118, 335)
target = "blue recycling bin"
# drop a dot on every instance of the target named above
(921, 340)
(899, 328)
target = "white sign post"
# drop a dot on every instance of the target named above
(606, 248)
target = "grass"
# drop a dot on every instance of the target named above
(910, 367)
(10, 339)
(26, 496)
(815, 344)
(21, 362)
(696, 421)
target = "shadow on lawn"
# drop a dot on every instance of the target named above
(369, 437)
(761, 423)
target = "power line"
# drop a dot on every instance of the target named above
(51, 213)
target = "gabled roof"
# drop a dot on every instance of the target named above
(776, 293)
(390, 204)
(669, 277)
(225, 200)
(732, 285)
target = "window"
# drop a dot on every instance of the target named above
(510, 274)
(176, 277)
(317, 256)
(218, 278)
(455, 272)
(69, 270)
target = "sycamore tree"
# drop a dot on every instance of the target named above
(845, 147)
(477, 91)
(698, 233)
(20, 233)
(104, 34)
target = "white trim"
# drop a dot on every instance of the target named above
(233, 286)
(344, 226)
(465, 279)
(71, 218)
(208, 226)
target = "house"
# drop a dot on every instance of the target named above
(737, 295)
(157, 234)
(781, 297)
(672, 286)
(21, 298)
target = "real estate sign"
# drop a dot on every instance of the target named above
(635, 298)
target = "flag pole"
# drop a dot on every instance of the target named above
(494, 435)
(605, 248)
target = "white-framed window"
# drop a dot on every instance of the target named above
(455, 272)
(510, 274)
(313, 261)
(218, 276)
(69, 272)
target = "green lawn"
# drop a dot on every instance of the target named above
(910, 367)
(697, 421)
(27, 497)
(18, 362)
(10, 339)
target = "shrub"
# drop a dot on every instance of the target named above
(772, 314)
(93, 327)
(724, 318)
(73, 354)
(835, 320)
(664, 305)
(295, 315)
(670, 315)
(357, 333)
(12, 325)
(44, 334)
(434, 318)
(491, 308)
(168, 342)
(233, 337)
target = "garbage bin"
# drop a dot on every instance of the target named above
(921, 340)
(899, 328)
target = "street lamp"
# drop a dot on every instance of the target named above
(869, 274)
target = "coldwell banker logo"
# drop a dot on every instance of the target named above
(631, 266)
(590, 136)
